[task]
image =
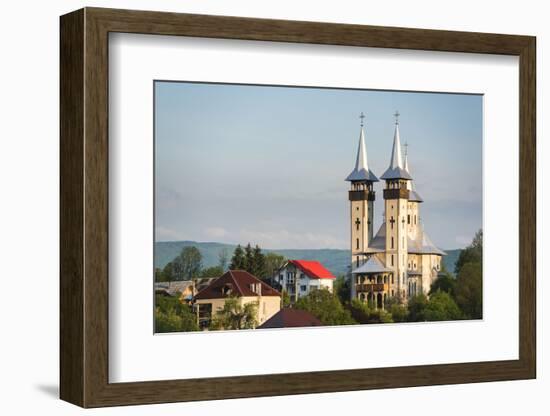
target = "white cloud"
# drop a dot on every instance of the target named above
(216, 232)
(167, 234)
(287, 239)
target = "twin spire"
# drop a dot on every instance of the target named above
(362, 171)
(396, 170)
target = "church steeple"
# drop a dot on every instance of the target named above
(361, 198)
(396, 169)
(361, 172)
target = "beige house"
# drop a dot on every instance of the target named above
(399, 260)
(241, 285)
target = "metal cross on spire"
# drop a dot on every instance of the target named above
(406, 146)
(362, 116)
(396, 115)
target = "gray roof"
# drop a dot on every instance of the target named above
(372, 265)
(414, 196)
(379, 240)
(171, 288)
(396, 170)
(421, 245)
(361, 172)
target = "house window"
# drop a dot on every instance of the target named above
(303, 288)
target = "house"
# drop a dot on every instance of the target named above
(182, 288)
(291, 318)
(236, 284)
(399, 260)
(300, 277)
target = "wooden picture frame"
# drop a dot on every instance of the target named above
(84, 207)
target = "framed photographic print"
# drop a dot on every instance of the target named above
(248, 190)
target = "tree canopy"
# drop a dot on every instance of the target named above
(235, 315)
(326, 307)
(173, 316)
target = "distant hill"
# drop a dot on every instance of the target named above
(337, 261)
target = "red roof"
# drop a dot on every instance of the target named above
(236, 283)
(291, 318)
(313, 269)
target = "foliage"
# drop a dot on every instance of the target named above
(445, 283)
(471, 254)
(238, 261)
(417, 305)
(442, 307)
(399, 312)
(252, 260)
(364, 313)
(468, 292)
(173, 316)
(326, 307)
(285, 299)
(185, 266)
(214, 271)
(342, 289)
(273, 262)
(235, 315)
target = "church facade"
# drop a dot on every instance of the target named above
(399, 261)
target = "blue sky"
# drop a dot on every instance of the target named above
(266, 165)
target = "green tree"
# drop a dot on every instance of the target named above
(326, 307)
(399, 313)
(248, 258)
(342, 289)
(442, 307)
(471, 254)
(273, 262)
(285, 299)
(187, 264)
(235, 315)
(257, 267)
(445, 283)
(238, 260)
(417, 305)
(168, 272)
(159, 275)
(173, 316)
(365, 313)
(214, 271)
(468, 291)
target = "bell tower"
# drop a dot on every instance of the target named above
(361, 197)
(396, 200)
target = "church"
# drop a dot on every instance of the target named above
(399, 261)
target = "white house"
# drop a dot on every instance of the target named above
(300, 277)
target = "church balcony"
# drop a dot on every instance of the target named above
(398, 193)
(361, 195)
(371, 287)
